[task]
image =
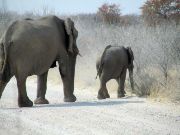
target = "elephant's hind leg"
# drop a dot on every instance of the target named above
(103, 92)
(121, 92)
(41, 89)
(5, 77)
(23, 100)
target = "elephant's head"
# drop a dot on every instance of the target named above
(73, 34)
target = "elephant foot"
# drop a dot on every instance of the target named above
(41, 100)
(70, 99)
(121, 95)
(25, 102)
(101, 96)
(106, 95)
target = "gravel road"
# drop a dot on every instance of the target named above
(88, 116)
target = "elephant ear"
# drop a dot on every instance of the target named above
(73, 34)
(130, 55)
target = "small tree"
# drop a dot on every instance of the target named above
(109, 13)
(156, 11)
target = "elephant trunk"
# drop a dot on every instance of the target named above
(130, 66)
(131, 79)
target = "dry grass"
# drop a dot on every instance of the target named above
(152, 47)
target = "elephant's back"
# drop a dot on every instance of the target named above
(33, 38)
(115, 58)
(34, 35)
(117, 54)
(34, 43)
(29, 30)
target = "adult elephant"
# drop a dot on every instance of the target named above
(31, 47)
(113, 64)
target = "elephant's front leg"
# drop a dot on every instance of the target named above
(68, 83)
(23, 100)
(41, 89)
(121, 81)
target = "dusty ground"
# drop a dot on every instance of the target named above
(87, 116)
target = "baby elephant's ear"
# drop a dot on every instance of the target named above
(69, 27)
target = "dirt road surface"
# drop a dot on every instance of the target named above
(88, 116)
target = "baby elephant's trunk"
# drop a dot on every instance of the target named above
(131, 79)
(130, 66)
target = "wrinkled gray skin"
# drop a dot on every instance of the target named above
(113, 64)
(31, 47)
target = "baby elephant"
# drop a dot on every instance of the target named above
(113, 64)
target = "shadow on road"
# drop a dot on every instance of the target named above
(89, 104)
(109, 102)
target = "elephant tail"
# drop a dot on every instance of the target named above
(99, 70)
(100, 67)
